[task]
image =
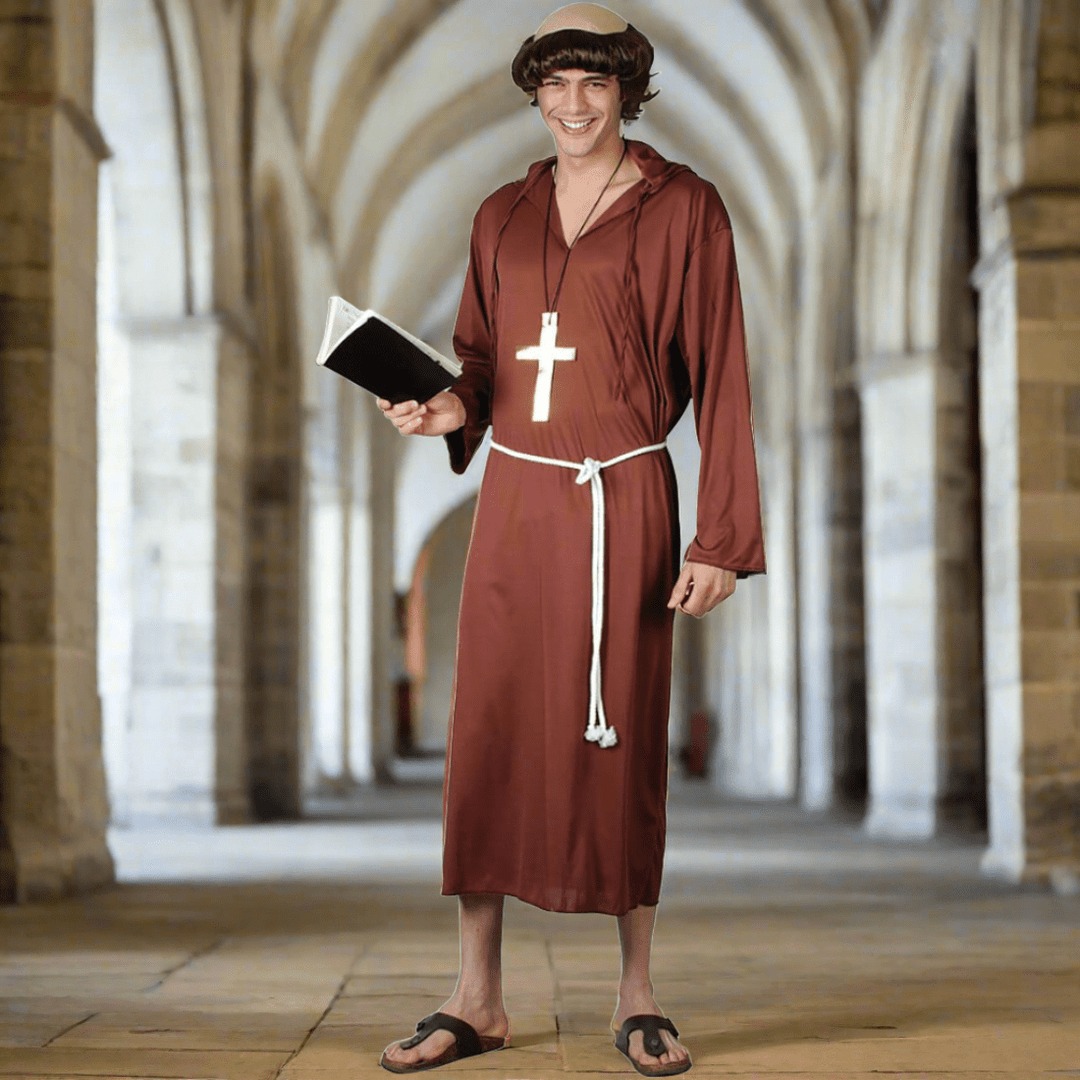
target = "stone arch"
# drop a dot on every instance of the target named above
(916, 379)
(793, 217)
(172, 713)
(273, 594)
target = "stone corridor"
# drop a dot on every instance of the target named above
(786, 945)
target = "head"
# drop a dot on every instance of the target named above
(585, 64)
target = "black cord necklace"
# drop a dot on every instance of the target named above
(547, 229)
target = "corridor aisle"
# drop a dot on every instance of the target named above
(785, 946)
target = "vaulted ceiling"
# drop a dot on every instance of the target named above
(407, 118)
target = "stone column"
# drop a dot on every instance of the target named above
(185, 746)
(384, 647)
(53, 807)
(326, 536)
(832, 718)
(916, 377)
(922, 618)
(360, 673)
(1030, 319)
(1029, 284)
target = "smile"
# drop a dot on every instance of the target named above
(576, 127)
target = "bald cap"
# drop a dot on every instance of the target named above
(593, 18)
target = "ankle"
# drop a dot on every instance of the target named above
(485, 995)
(636, 986)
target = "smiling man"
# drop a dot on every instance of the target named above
(601, 299)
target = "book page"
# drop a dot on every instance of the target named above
(341, 317)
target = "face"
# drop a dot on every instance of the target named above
(582, 109)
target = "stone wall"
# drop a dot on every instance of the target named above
(1029, 281)
(53, 808)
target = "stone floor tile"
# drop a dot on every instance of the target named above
(63, 985)
(398, 1011)
(408, 963)
(167, 1028)
(1045, 1047)
(376, 983)
(164, 1064)
(592, 1053)
(31, 1025)
(44, 960)
(765, 972)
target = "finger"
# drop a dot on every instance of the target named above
(678, 594)
(701, 600)
(406, 417)
(410, 427)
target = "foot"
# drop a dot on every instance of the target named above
(632, 1002)
(486, 1018)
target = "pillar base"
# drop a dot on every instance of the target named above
(899, 819)
(37, 869)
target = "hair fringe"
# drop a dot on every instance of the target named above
(627, 55)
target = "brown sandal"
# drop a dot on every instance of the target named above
(468, 1043)
(649, 1026)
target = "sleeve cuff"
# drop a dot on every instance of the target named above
(744, 564)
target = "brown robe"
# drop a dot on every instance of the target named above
(651, 302)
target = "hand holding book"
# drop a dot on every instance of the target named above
(438, 416)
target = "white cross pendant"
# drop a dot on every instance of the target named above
(546, 353)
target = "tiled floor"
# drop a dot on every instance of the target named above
(785, 947)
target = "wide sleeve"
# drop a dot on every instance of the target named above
(472, 345)
(711, 338)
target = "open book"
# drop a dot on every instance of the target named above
(372, 352)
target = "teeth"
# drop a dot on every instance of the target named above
(577, 126)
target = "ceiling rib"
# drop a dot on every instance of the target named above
(301, 55)
(484, 103)
(698, 64)
(390, 39)
(494, 98)
(769, 16)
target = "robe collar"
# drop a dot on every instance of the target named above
(655, 170)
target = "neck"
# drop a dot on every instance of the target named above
(588, 171)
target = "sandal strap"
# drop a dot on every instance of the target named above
(468, 1042)
(649, 1026)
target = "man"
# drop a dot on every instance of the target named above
(601, 298)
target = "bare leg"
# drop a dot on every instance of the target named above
(636, 989)
(477, 998)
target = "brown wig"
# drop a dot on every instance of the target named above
(627, 55)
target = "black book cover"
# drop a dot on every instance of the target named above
(381, 357)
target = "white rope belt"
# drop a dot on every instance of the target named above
(588, 472)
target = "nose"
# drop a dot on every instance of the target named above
(577, 97)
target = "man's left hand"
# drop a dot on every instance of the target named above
(700, 588)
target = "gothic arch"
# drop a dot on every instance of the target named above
(155, 277)
(917, 373)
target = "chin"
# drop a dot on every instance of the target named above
(578, 148)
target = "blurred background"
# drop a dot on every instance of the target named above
(228, 589)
